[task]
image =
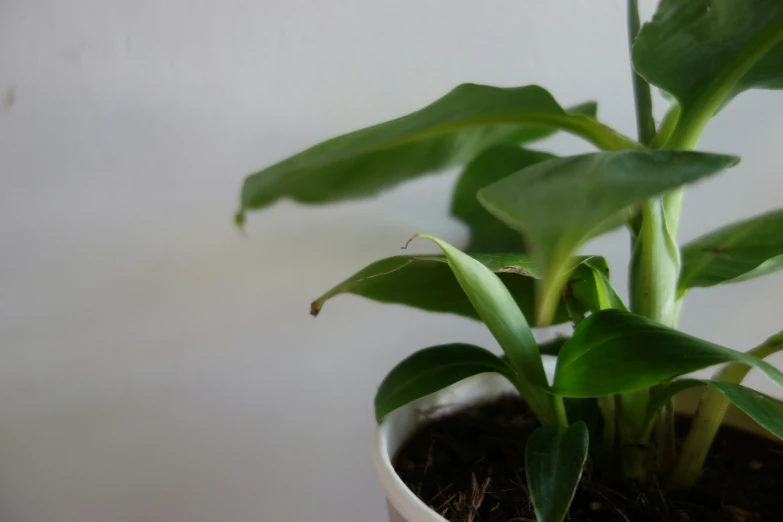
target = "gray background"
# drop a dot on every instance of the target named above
(156, 365)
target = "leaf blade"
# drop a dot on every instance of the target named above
(700, 48)
(448, 132)
(432, 369)
(766, 411)
(558, 204)
(487, 233)
(500, 313)
(428, 283)
(554, 459)
(737, 252)
(618, 352)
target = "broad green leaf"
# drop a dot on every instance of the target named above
(432, 369)
(427, 282)
(449, 132)
(765, 410)
(617, 352)
(554, 458)
(705, 52)
(559, 204)
(690, 44)
(487, 233)
(497, 308)
(715, 401)
(734, 253)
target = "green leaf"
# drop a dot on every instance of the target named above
(559, 204)
(617, 352)
(705, 52)
(449, 132)
(594, 291)
(765, 410)
(589, 109)
(734, 253)
(427, 282)
(487, 233)
(554, 458)
(432, 369)
(497, 308)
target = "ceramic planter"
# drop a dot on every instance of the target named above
(403, 505)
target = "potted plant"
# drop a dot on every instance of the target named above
(597, 416)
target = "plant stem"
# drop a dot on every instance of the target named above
(709, 416)
(664, 438)
(633, 409)
(654, 271)
(560, 411)
(655, 266)
(655, 259)
(608, 412)
(650, 253)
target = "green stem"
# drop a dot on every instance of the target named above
(709, 416)
(606, 405)
(655, 266)
(560, 411)
(664, 438)
(633, 409)
(645, 124)
(685, 135)
(649, 292)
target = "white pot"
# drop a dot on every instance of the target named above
(395, 429)
(403, 505)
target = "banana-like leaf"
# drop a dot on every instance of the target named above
(554, 459)
(432, 369)
(496, 307)
(737, 252)
(765, 410)
(559, 204)
(705, 52)
(487, 233)
(427, 282)
(449, 132)
(618, 352)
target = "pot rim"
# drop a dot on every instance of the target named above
(398, 495)
(397, 427)
(389, 436)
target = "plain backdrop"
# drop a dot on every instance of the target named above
(155, 364)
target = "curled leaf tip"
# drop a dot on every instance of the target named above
(408, 242)
(239, 220)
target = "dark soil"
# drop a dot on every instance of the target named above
(469, 467)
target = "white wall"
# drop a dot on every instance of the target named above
(154, 364)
